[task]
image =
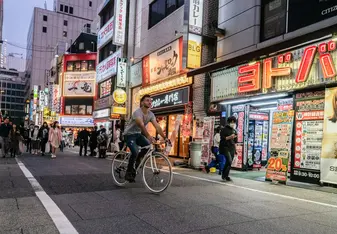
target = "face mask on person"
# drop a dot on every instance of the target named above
(232, 125)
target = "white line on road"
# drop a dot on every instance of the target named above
(60, 220)
(256, 190)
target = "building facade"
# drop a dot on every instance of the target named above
(166, 40)
(12, 94)
(276, 73)
(51, 32)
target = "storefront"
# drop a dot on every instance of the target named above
(285, 106)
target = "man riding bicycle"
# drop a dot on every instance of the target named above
(136, 134)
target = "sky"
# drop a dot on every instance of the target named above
(17, 17)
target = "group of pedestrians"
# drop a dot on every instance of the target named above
(10, 137)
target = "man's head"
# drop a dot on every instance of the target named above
(232, 122)
(101, 127)
(146, 101)
(95, 128)
(6, 121)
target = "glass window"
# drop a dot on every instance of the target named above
(9, 85)
(65, 22)
(66, 9)
(180, 3)
(17, 100)
(8, 106)
(77, 66)
(89, 110)
(157, 12)
(70, 66)
(90, 3)
(68, 110)
(45, 18)
(84, 66)
(91, 65)
(44, 29)
(106, 51)
(171, 128)
(74, 109)
(61, 7)
(81, 46)
(65, 34)
(170, 6)
(4, 84)
(3, 98)
(12, 100)
(8, 99)
(3, 105)
(71, 10)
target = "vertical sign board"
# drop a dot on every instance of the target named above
(239, 113)
(195, 16)
(280, 146)
(207, 140)
(194, 51)
(121, 73)
(120, 13)
(329, 144)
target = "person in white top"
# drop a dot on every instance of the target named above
(117, 138)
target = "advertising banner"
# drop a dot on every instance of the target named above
(207, 140)
(120, 13)
(79, 76)
(105, 33)
(196, 16)
(187, 120)
(136, 74)
(79, 88)
(273, 18)
(55, 98)
(239, 113)
(103, 103)
(163, 63)
(121, 73)
(170, 99)
(280, 146)
(108, 67)
(194, 51)
(329, 143)
(76, 121)
(101, 113)
(105, 88)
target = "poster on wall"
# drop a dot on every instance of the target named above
(329, 143)
(187, 120)
(308, 139)
(79, 88)
(207, 140)
(280, 146)
(163, 63)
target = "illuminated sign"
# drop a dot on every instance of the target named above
(120, 13)
(55, 98)
(163, 63)
(79, 88)
(108, 67)
(118, 110)
(170, 99)
(80, 76)
(194, 51)
(105, 88)
(105, 33)
(101, 113)
(195, 16)
(121, 74)
(76, 121)
(119, 96)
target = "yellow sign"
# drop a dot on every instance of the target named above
(119, 95)
(194, 51)
(118, 110)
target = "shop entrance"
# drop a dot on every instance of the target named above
(167, 123)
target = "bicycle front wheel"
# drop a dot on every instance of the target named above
(157, 173)
(119, 166)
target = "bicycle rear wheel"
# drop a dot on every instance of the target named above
(119, 166)
(157, 173)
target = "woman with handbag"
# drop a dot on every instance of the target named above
(55, 137)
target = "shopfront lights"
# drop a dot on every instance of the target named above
(271, 96)
(263, 103)
(238, 101)
(267, 109)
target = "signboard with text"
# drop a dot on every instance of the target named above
(105, 33)
(121, 74)
(195, 16)
(170, 99)
(194, 51)
(79, 88)
(120, 13)
(163, 63)
(77, 121)
(108, 67)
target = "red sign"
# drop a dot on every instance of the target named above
(249, 79)
(241, 119)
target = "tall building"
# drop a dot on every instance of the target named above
(15, 61)
(51, 32)
(276, 73)
(1, 28)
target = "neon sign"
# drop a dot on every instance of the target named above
(249, 78)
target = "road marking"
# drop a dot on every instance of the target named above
(60, 220)
(256, 190)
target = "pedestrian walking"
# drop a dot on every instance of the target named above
(63, 140)
(102, 141)
(14, 140)
(93, 141)
(43, 136)
(227, 145)
(83, 138)
(35, 141)
(54, 138)
(117, 138)
(218, 159)
(29, 138)
(5, 128)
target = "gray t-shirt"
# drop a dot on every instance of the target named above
(132, 127)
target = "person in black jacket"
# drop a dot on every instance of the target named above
(5, 128)
(93, 141)
(43, 136)
(83, 137)
(227, 145)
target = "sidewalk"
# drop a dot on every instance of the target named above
(20, 210)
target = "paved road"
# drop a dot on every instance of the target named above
(195, 203)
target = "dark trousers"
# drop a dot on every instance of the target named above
(29, 145)
(93, 146)
(43, 145)
(229, 155)
(220, 160)
(85, 145)
(135, 141)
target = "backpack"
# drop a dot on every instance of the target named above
(100, 138)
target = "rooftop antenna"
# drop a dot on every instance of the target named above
(45, 5)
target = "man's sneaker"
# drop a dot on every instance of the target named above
(130, 176)
(228, 178)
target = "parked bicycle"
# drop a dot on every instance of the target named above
(155, 168)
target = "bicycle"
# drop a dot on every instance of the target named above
(155, 168)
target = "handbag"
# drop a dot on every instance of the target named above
(47, 147)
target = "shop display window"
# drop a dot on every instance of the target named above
(84, 66)
(171, 125)
(89, 110)
(91, 65)
(82, 110)
(68, 110)
(70, 66)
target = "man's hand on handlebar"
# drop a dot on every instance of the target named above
(151, 139)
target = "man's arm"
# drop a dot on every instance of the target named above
(158, 128)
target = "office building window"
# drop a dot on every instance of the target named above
(44, 29)
(107, 14)
(65, 23)
(65, 33)
(81, 46)
(45, 18)
(61, 7)
(66, 9)
(106, 51)
(90, 3)
(71, 10)
(160, 9)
